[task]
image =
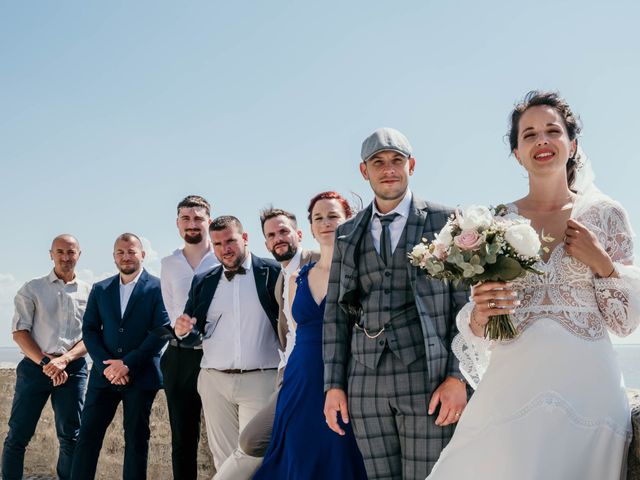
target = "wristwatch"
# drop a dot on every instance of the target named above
(45, 360)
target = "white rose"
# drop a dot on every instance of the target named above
(476, 217)
(420, 250)
(524, 239)
(445, 237)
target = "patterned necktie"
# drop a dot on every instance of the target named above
(385, 236)
(232, 273)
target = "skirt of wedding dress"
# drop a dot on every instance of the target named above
(551, 406)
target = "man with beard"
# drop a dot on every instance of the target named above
(282, 239)
(180, 364)
(388, 327)
(47, 326)
(121, 311)
(233, 310)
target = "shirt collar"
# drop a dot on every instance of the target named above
(246, 264)
(53, 278)
(402, 208)
(294, 263)
(132, 282)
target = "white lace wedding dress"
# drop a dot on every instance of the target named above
(551, 404)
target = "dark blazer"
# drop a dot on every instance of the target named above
(110, 335)
(437, 302)
(204, 285)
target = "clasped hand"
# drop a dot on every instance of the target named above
(55, 369)
(117, 372)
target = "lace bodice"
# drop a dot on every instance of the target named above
(568, 292)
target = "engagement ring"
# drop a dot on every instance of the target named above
(491, 304)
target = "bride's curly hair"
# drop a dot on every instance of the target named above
(571, 121)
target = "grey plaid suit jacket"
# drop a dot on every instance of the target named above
(437, 302)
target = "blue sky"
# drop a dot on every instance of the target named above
(111, 112)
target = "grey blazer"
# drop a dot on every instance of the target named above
(437, 302)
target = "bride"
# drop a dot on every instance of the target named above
(551, 403)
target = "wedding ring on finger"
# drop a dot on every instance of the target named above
(491, 304)
(457, 415)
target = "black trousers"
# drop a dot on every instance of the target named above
(99, 409)
(180, 368)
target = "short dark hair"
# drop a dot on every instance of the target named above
(128, 237)
(269, 212)
(194, 201)
(572, 123)
(225, 221)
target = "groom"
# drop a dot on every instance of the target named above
(388, 328)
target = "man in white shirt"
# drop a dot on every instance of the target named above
(282, 238)
(47, 326)
(233, 310)
(181, 366)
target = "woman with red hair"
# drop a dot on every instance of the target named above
(302, 445)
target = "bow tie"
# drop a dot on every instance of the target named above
(232, 273)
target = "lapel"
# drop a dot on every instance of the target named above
(135, 295)
(113, 295)
(350, 245)
(415, 231)
(261, 277)
(205, 296)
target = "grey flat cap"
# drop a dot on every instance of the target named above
(385, 139)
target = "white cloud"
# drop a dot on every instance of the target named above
(152, 257)
(9, 286)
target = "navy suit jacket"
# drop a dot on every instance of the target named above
(109, 335)
(204, 285)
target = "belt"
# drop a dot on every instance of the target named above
(235, 371)
(175, 343)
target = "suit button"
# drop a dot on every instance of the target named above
(385, 309)
(119, 350)
(387, 273)
(386, 291)
(121, 330)
(381, 343)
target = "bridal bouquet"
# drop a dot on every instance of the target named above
(480, 245)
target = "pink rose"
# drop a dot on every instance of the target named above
(440, 250)
(468, 240)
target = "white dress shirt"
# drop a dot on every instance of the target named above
(176, 275)
(126, 289)
(395, 227)
(293, 265)
(52, 310)
(243, 337)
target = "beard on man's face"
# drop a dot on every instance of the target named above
(287, 255)
(128, 269)
(193, 238)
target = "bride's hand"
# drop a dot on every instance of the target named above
(582, 244)
(491, 299)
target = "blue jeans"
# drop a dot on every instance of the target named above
(33, 388)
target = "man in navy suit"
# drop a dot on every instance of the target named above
(121, 311)
(233, 310)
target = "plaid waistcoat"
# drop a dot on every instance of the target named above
(388, 303)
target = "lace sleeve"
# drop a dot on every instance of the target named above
(619, 298)
(472, 352)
